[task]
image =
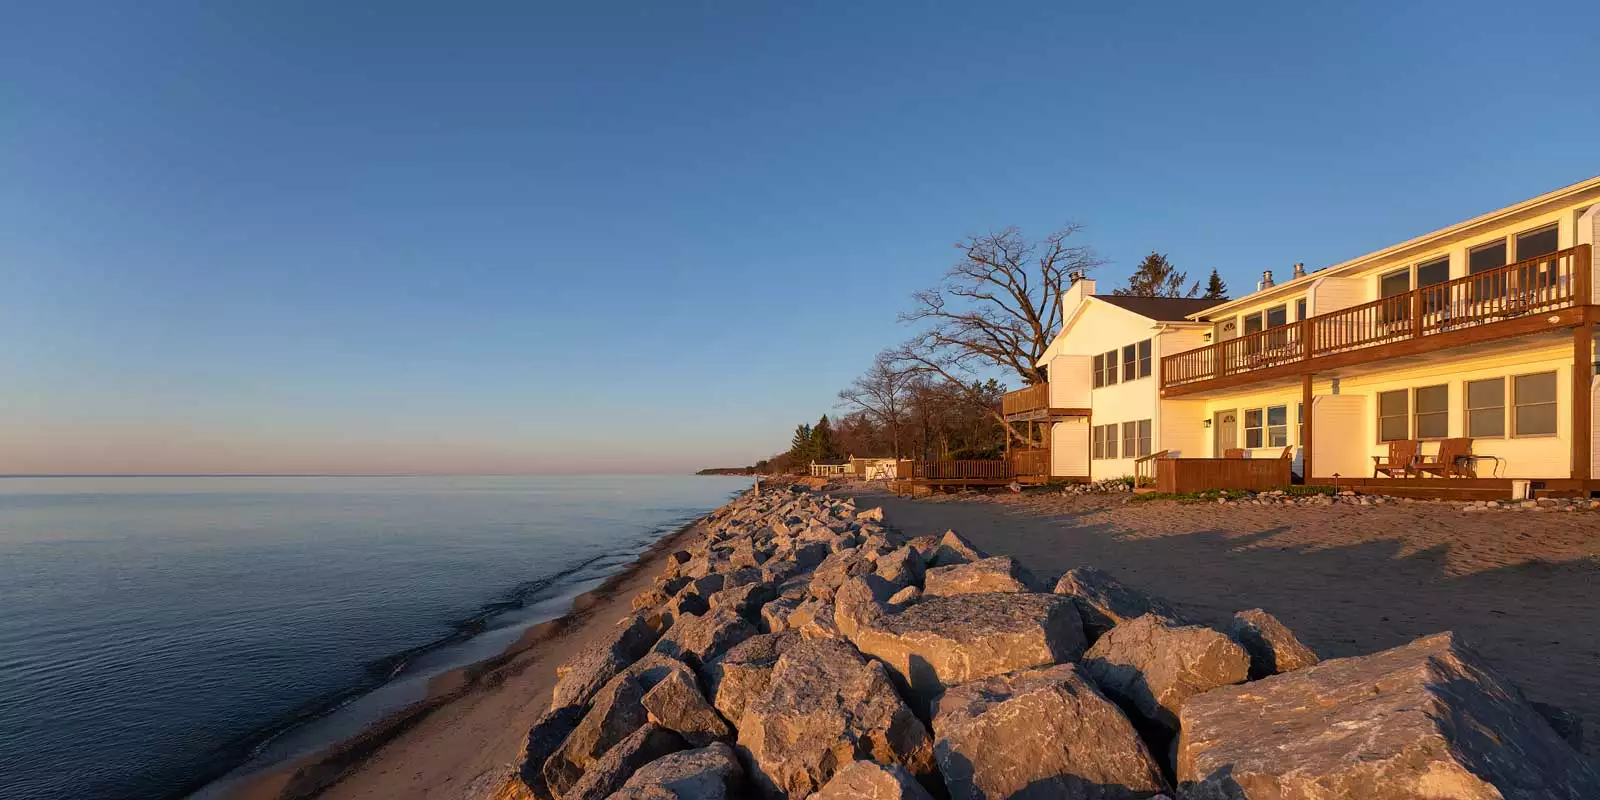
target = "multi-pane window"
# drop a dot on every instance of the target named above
(1535, 243)
(1277, 426)
(1252, 324)
(1300, 308)
(1111, 368)
(1300, 422)
(1103, 441)
(1277, 316)
(1252, 427)
(1432, 412)
(1130, 363)
(1534, 397)
(1130, 439)
(1145, 361)
(1144, 437)
(1393, 424)
(1486, 407)
(1097, 371)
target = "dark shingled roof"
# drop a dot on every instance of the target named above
(1160, 309)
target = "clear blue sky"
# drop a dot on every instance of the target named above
(314, 236)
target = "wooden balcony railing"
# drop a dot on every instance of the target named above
(1549, 282)
(985, 469)
(1021, 401)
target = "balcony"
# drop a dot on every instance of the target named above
(1032, 404)
(1509, 301)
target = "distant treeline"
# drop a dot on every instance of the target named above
(727, 471)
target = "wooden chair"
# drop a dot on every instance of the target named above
(1233, 452)
(1288, 453)
(1402, 458)
(1453, 460)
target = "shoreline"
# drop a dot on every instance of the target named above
(317, 772)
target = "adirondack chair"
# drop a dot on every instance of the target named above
(1452, 461)
(1233, 452)
(1402, 458)
(1288, 453)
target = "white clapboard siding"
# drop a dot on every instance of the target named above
(1069, 448)
(1331, 294)
(1589, 233)
(1340, 434)
(1070, 385)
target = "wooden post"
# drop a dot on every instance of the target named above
(1582, 376)
(1416, 313)
(1305, 428)
(1305, 340)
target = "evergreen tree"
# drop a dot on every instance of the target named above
(1156, 277)
(1215, 288)
(800, 446)
(823, 446)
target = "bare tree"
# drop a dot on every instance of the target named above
(882, 394)
(995, 311)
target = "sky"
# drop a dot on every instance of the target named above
(636, 237)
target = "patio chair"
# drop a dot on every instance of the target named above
(1402, 458)
(1288, 453)
(1233, 452)
(1453, 461)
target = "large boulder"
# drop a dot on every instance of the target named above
(775, 615)
(611, 771)
(675, 703)
(1426, 720)
(698, 639)
(1105, 602)
(860, 601)
(742, 673)
(903, 567)
(869, 780)
(943, 641)
(997, 574)
(580, 678)
(543, 740)
(615, 715)
(1151, 667)
(746, 600)
(836, 569)
(952, 549)
(1042, 732)
(1273, 648)
(825, 707)
(710, 773)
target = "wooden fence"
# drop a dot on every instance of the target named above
(1180, 475)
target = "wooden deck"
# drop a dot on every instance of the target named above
(1032, 404)
(1462, 488)
(1182, 475)
(1023, 466)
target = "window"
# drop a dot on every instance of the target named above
(1111, 369)
(1486, 256)
(1252, 427)
(1103, 441)
(1277, 317)
(1144, 359)
(1486, 408)
(1533, 244)
(1432, 272)
(1432, 412)
(1252, 324)
(1300, 423)
(1395, 283)
(1144, 437)
(1130, 439)
(1277, 426)
(1300, 308)
(1130, 363)
(1098, 371)
(1392, 422)
(1535, 399)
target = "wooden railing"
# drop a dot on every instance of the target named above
(1549, 282)
(1144, 468)
(986, 469)
(1021, 401)
(1030, 463)
(1180, 475)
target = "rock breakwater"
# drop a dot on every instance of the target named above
(799, 648)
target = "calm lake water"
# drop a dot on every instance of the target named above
(157, 632)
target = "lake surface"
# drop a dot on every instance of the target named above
(158, 632)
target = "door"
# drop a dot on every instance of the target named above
(1225, 432)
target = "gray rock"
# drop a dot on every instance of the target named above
(614, 715)
(825, 707)
(1152, 667)
(745, 600)
(944, 641)
(710, 773)
(996, 574)
(1061, 739)
(698, 639)
(926, 546)
(906, 596)
(874, 514)
(860, 601)
(675, 703)
(1273, 648)
(869, 780)
(1426, 720)
(1104, 602)
(775, 615)
(611, 771)
(903, 567)
(580, 678)
(742, 673)
(544, 739)
(953, 549)
(835, 570)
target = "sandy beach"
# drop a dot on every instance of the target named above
(1522, 587)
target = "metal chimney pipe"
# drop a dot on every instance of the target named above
(1266, 279)
(1299, 270)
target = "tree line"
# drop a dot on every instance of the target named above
(983, 326)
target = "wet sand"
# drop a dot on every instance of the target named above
(1522, 587)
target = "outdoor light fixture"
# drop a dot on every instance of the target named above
(1208, 423)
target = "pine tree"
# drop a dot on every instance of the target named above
(823, 447)
(800, 446)
(1215, 288)
(1156, 277)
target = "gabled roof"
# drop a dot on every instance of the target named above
(1160, 309)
